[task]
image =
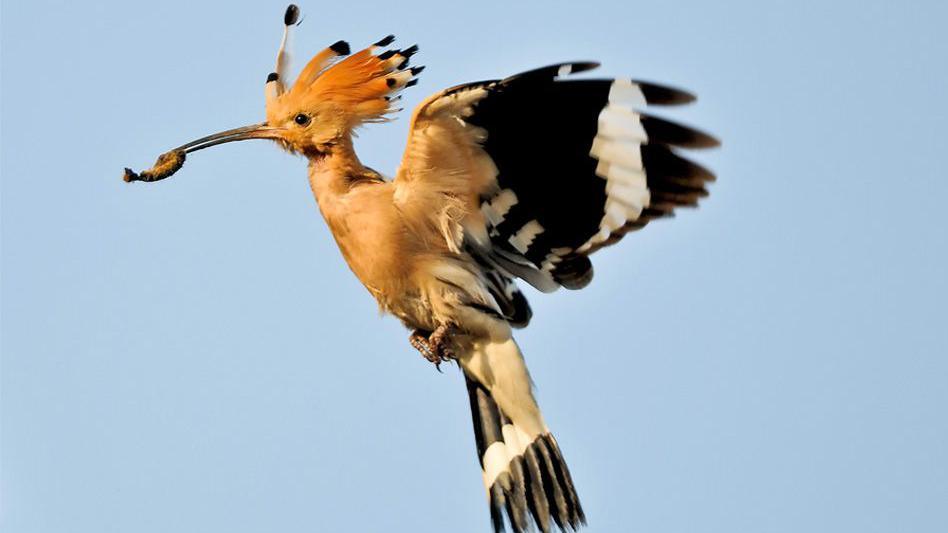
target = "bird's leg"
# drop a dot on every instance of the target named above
(440, 342)
(419, 340)
(434, 347)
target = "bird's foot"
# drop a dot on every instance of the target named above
(435, 347)
(419, 341)
(440, 341)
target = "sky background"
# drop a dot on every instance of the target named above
(194, 355)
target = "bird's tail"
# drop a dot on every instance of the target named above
(524, 472)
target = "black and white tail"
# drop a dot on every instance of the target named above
(524, 472)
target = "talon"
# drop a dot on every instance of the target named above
(419, 341)
(440, 343)
(435, 347)
(445, 353)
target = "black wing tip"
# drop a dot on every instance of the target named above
(666, 132)
(663, 162)
(658, 94)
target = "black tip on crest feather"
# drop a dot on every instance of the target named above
(273, 76)
(410, 51)
(386, 54)
(292, 15)
(411, 83)
(385, 41)
(417, 70)
(341, 48)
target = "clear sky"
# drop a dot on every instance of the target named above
(194, 356)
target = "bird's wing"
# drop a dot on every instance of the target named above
(532, 173)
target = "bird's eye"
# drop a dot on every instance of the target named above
(302, 119)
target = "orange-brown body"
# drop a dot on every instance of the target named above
(479, 199)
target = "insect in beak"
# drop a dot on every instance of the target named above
(171, 161)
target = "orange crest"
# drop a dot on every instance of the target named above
(362, 85)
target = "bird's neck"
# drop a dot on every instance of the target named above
(332, 174)
(357, 206)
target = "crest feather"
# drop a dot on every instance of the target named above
(362, 84)
(319, 63)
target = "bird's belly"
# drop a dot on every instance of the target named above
(449, 290)
(389, 275)
(413, 311)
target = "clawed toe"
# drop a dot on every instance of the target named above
(435, 347)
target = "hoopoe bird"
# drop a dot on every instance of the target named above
(517, 178)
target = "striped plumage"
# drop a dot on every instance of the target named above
(523, 177)
(578, 167)
(526, 479)
(559, 169)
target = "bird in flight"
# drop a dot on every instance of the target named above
(522, 178)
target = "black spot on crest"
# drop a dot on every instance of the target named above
(340, 47)
(385, 41)
(292, 15)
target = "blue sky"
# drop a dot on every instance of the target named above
(194, 355)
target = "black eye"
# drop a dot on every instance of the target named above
(301, 119)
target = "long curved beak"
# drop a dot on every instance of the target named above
(254, 131)
(171, 161)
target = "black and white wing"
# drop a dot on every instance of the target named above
(548, 170)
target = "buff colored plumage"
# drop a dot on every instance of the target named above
(522, 177)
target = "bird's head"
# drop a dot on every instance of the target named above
(336, 92)
(333, 94)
